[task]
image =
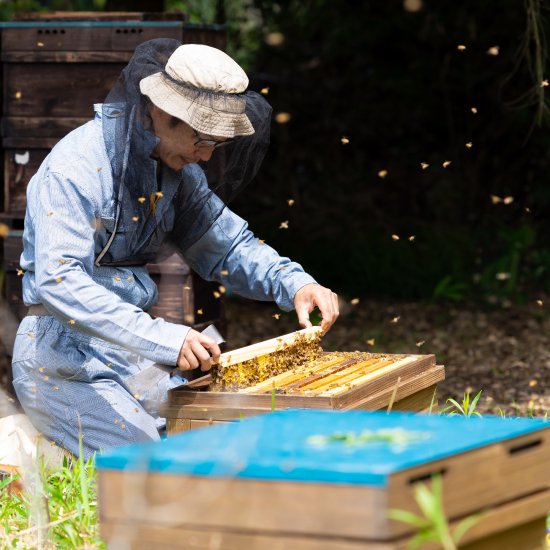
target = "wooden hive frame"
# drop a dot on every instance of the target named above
(336, 381)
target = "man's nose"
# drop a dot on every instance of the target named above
(205, 153)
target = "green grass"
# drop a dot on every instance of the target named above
(58, 509)
(432, 525)
(466, 408)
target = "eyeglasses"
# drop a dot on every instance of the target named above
(206, 142)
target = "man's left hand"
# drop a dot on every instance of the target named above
(314, 295)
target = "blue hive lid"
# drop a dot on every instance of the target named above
(301, 445)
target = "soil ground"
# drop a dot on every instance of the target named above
(505, 352)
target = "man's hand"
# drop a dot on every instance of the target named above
(198, 349)
(312, 295)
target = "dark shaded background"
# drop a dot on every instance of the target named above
(388, 77)
(394, 83)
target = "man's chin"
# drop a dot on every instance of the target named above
(178, 165)
(182, 162)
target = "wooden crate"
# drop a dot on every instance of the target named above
(55, 67)
(263, 483)
(373, 381)
(184, 297)
(54, 71)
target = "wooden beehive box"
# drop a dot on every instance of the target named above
(53, 73)
(184, 297)
(55, 67)
(55, 70)
(287, 480)
(338, 381)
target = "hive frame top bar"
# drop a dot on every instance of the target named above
(267, 346)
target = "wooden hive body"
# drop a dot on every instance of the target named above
(335, 381)
(55, 67)
(268, 482)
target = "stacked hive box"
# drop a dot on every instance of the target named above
(337, 380)
(313, 480)
(54, 70)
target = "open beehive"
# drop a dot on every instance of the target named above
(249, 382)
(290, 480)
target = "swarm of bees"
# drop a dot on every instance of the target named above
(253, 371)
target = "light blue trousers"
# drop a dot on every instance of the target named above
(70, 383)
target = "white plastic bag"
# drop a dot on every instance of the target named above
(23, 447)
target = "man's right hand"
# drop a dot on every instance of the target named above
(198, 349)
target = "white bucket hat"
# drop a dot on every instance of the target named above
(202, 86)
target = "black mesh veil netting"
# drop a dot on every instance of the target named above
(129, 140)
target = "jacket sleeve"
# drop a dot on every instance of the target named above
(230, 254)
(64, 218)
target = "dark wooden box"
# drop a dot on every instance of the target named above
(53, 73)
(184, 297)
(55, 67)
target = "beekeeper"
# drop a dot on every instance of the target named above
(99, 208)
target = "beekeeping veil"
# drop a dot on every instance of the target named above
(206, 89)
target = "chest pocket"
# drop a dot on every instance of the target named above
(120, 245)
(131, 242)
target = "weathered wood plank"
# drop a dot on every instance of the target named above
(204, 35)
(234, 400)
(383, 379)
(27, 128)
(255, 505)
(415, 395)
(24, 143)
(177, 425)
(17, 177)
(57, 90)
(153, 537)
(64, 57)
(408, 387)
(283, 508)
(65, 16)
(411, 369)
(64, 37)
(525, 536)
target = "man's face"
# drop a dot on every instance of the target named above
(177, 146)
